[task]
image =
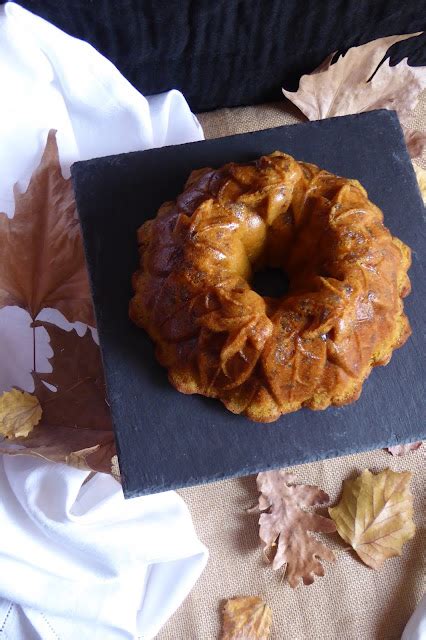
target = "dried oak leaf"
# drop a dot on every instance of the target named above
(246, 618)
(344, 87)
(375, 515)
(76, 423)
(42, 260)
(285, 526)
(402, 449)
(19, 413)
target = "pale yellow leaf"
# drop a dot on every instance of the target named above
(375, 515)
(421, 179)
(19, 413)
(246, 618)
(345, 87)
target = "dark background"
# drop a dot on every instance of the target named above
(231, 52)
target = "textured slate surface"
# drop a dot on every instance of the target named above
(168, 440)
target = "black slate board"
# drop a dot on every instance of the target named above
(168, 440)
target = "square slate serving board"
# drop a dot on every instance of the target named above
(168, 440)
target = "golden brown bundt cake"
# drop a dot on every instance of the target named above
(264, 357)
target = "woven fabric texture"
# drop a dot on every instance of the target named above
(351, 602)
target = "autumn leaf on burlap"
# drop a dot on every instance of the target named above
(19, 413)
(402, 449)
(284, 526)
(375, 515)
(246, 618)
(42, 260)
(76, 424)
(355, 83)
(421, 180)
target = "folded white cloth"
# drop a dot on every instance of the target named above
(416, 626)
(77, 561)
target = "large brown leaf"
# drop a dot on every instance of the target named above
(76, 424)
(285, 526)
(375, 515)
(42, 261)
(356, 83)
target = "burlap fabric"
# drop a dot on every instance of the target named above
(351, 602)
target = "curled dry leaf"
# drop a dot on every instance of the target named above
(246, 618)
(19, 413)
(375, 515)
(42, 260)
(285, 526)
(402, 449)
(415, 141)
(76, 424)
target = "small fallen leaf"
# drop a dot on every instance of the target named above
(76, 424)
(42, 261)
(415, 141)
(421, 180)
(402, 449)
(19, 413)
(246, 618)
(284, 526)
(375, 515)
(353, 83)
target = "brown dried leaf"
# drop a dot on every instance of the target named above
(42, 260)
(19, 413)
(344, 87)
(375, 515)
(76, 424)
(415, 141)
(284, 526)
(402, 449)
(246, 618)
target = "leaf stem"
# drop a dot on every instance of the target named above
(34, 349)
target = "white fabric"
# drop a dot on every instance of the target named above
(77, 561)
(416, 626)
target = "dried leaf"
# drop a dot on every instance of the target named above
(374, 515)
(284, 526)
(76, 424)
(42, 260)
(246, 618)
(415, 141)
(345, 86)
(19, 413)
(402, 449)
(421, 179)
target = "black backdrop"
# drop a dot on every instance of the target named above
(231, 52)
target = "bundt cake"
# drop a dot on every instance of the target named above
(263, 356)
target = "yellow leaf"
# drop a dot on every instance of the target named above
(246, 618)
(421, 179)
(19, 413)
(374, 515)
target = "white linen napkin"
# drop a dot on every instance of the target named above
(77, 561)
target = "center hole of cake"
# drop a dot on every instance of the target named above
(270, 282)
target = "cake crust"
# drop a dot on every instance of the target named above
(264, 357)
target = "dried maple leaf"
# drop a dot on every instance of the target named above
(42, 260)
(374, 515)
(285, 526)
(344, 87)
(76, 424)
(19, 413)
(246, 618)
(402, 449)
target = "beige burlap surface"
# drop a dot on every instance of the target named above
(351, 602)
